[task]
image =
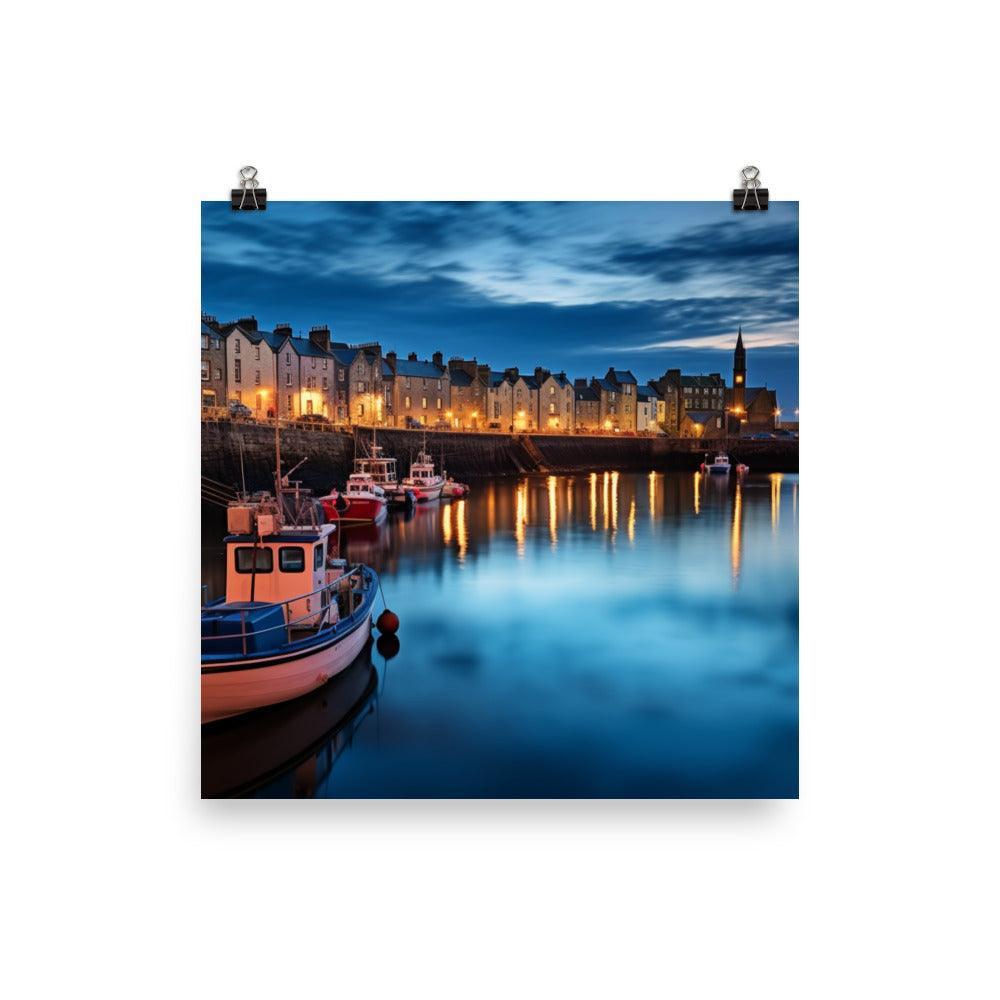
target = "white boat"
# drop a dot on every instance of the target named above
(453, 489)
(292, 616)
(423, 480)
(720, 465)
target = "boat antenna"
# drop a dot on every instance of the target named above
(243, 478)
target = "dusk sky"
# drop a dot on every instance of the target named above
(571, 286)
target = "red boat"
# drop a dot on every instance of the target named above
(362, 501)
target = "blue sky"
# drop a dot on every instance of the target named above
(573, 286)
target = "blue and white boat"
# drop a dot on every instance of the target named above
(293, 614)
(720, 465)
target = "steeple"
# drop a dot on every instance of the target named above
(739, 374)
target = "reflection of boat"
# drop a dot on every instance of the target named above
(719, 466)
(423, 480)
(291, 617)
(363, 501)
(293, 745)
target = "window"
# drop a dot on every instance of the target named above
(423, 402)
(204, 341)
(326, 363)
(423, 383)
(288, 378)
(288, 358)
(314, 362)
(256, 377)
(552, 407)
(257, 350)
(361, 387)
(406, 402)
(340, 375)
(218, 374)
(216, 344)
(206, 371)
(325, 386)
(318, 557)
(361, 409)
(406, 383)
(552, 390)
(245, 559)
(440, 386)
(237, 370)
(309, 406)
(291, 559)
(496, 409)
(289, 405)
(439, 402)
(236, 342)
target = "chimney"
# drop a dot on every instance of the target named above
(542, 374)
(580, 383)
(391, 359)
(437, 357)
(283, 330)
(512, 372)
(412, 356)
(319, 336)
(247, 322)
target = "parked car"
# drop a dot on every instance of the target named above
(239, 411)
(413, 422)
(312, 418)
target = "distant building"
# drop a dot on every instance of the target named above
(555, 401)
(587, 406)
(752, 409)
(702, 424)
(661, 406)
(250, 363)
(470, 385)
(648, 405)
(500, 402)
(689, 392)
(627, 386)
(525, 400)
(420, 390)
(609, 414)
(213, 365)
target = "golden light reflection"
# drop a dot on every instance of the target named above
(652, 496)
(631, 521)
(697, 493)
(446, 524)
(605, 505)
(593, 501)
(795, 503)
(614, 501)
(775, 478)
(735, 539)
(520, 515)
(491, 510)
(460, 532)
(569, 500)
(553, 529)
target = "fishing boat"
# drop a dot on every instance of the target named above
(382, 471)
(362, 501)
(293, 614)
(453, 489)
(719, 466)
(423, 480)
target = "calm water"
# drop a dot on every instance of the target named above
(591, 635)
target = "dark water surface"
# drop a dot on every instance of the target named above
(605, 634)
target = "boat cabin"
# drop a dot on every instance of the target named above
(281, 566)
(422, 471)
(377, 467)
(362, 483)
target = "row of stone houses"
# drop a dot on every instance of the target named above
(277, 372)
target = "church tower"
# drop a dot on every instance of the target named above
(740, 376)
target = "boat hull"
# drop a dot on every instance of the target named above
(425, 494)
(228, 690)
(358, 511)
(718, 470)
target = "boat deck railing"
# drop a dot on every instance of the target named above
(312, 621)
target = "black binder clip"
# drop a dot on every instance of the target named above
(249, 196)
(751, 197)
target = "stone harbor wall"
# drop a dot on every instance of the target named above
(330, 454)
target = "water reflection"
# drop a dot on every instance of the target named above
(537, 658)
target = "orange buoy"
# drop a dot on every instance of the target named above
(387, 622)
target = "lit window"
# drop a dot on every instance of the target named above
(406, 402)
(439, 402)
(423, 402)
(206, 371)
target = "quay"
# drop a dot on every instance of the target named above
(233, 452)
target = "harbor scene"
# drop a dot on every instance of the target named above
(543, 566)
